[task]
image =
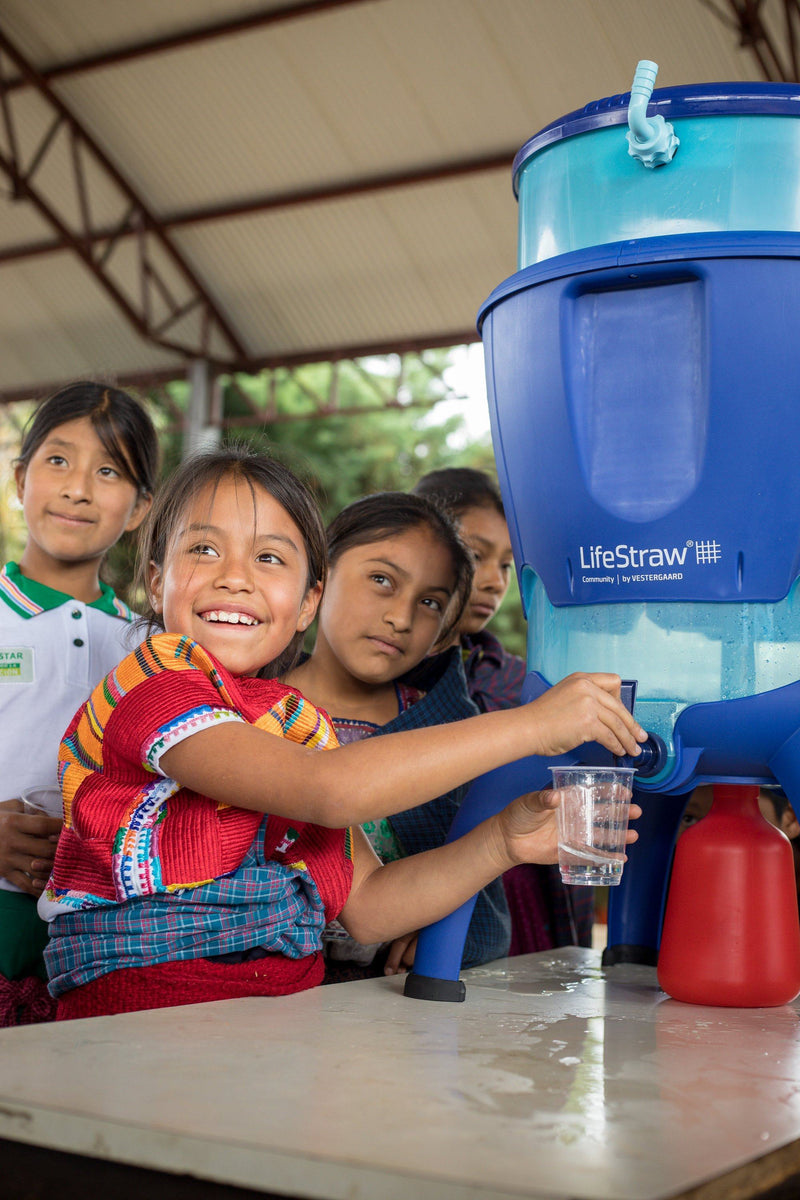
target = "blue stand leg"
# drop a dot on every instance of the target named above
(636, 905)
(437, 961)
(785, 764)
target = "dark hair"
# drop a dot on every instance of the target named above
(458, 488)
(121, 423)
(387, 514)
(211, 468)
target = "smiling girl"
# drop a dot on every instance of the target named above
(399, 579)
(85, 475)
(207, 841)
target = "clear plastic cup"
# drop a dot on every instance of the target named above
(592, 821)
(45, 800)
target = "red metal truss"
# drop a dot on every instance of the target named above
(318, 194)
(774, 45)
(162, 297)
(142, 380)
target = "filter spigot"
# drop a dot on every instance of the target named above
(650, 139)
(653, 757)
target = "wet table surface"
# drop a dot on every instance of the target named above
(556, 1078)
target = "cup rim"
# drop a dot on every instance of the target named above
(594, 767)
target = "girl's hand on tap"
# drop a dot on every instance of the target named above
(584, 708)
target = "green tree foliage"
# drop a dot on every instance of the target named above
(382, 443)
(349, 431)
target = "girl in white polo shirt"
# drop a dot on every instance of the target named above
(85, 475)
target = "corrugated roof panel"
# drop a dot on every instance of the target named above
(361, 271)
(57, 324)
(359, 91)
(20, 224)
(174, 125)
(245, 105)
(66, 31)
(371, 88)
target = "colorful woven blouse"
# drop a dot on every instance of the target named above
(130, 831)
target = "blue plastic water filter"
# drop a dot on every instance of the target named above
(643, 372)
(578, 186)
(643, 399)
(587, 191)
(649, 348)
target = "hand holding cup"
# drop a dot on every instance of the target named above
(592, 819)
(29, 830)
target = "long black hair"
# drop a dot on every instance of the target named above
(387, 514)
(458, 488)
(121, 423)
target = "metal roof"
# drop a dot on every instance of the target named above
(261, 183)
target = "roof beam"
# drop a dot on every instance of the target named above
(145, 379)
(345, 191)
(187, 37)
(292, 199)
(170, 307)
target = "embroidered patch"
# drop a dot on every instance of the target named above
(16, 664)
(288, 839)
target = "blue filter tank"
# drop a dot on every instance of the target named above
(643, 372)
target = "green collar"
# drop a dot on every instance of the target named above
(29, 598)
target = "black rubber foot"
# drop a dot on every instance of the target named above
(426, 987)
(645, 955)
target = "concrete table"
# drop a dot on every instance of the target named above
(554, 1079)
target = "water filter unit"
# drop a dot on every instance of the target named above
(643, 372)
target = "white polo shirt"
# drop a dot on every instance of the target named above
(53, 650)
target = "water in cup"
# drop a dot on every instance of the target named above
(592, 822)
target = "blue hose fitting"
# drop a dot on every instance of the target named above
(650, 139)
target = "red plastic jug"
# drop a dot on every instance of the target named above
(731, 930)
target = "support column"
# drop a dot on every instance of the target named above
(203, 431)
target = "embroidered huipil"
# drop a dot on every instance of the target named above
(148, 872)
